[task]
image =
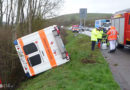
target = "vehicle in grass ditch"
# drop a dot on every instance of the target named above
(41, 50)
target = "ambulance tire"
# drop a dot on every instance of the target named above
(118, 45)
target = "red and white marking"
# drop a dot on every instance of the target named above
(1, 86)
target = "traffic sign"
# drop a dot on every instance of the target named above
(83, 12)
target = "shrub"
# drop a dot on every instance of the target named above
(11, 71)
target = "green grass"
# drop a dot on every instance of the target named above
(75, 75)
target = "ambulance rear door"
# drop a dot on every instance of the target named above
(37, 57)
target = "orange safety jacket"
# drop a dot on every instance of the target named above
(112, 34)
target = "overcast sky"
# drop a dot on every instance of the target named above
(94, 6)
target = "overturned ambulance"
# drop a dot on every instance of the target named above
(41, 50)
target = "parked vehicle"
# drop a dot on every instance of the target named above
(105, 23)
(75, 28)
(121, 20)
(41, 50)
(81, 28)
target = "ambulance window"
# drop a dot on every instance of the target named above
(129, 20)
(34, 60)
(30, 48)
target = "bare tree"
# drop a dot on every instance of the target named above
(25, 11)
(47, 8)
(1, 12)
(17, 18)
(30, 16)
(10, 10)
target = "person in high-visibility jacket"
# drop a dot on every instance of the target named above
(99, 36)
(112, 37)
(94, 34)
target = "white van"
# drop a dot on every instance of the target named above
(41, 50)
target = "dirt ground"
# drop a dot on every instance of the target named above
(119, 63)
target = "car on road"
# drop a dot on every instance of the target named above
(75, 28)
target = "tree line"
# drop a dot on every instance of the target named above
(14, 12)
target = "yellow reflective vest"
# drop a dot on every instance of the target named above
(94, 34)
(100, 33)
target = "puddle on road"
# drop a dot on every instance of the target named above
(115, 64)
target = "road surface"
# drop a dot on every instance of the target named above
(119, 63)
(88, 33)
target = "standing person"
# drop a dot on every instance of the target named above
(112, 37)
(94, 34)
(99, 36)
(104, 36)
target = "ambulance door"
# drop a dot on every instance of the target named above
(34, 57)
(121, 31)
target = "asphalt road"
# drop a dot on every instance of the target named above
(119, 63)
(88, 33)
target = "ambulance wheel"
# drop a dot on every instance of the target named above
(120, 46)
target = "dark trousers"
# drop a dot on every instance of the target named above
(93, 45)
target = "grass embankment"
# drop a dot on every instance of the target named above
(71, 19)
(86, 70)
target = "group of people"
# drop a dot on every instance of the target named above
(97, 35)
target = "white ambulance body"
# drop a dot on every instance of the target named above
(41, 50)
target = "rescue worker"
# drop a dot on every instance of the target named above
(99, 36)
(104, 36)
(94, 34)
(112, 37)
